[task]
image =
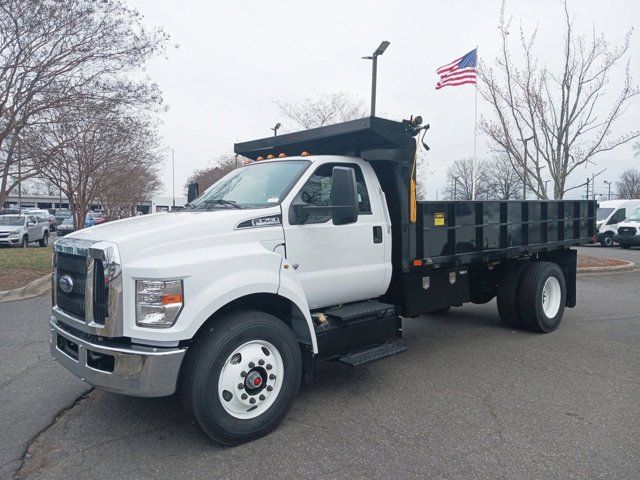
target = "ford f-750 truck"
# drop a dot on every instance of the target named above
(314, 252)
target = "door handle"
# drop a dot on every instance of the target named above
(377, 234)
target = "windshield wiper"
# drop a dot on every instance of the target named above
(222, 201)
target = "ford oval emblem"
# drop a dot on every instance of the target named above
(66, 283)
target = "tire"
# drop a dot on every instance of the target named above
(607, 240)
(44, 241)
(626, 246)
(542, 297)
(25, 242)
(507, 295)
(212, 364)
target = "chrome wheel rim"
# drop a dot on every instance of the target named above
(251, 379)
(551, 296)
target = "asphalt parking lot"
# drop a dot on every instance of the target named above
(470, 399)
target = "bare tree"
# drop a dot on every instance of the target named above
(96, 144)
(205, 177)
(503, 181)
(460, 180)
(629, 184)
(548, 123)
(54, 54)
(636, 149)
(323, 109)
(135, 182)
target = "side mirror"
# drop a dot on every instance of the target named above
(344, 196)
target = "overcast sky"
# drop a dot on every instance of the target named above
(235, 57)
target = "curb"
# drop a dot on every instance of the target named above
(613, 268)
(31, 289)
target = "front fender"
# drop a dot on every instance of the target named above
(217, 276)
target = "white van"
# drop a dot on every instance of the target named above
(610, 214)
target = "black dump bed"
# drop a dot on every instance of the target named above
(464, 232)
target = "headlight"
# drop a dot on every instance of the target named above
(158, 302)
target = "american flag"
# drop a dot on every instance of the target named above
(459, 72)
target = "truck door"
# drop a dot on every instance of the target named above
(339, 263)
(32, 228)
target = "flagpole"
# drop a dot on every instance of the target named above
(475, 134)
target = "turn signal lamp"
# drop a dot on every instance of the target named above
(417, 262)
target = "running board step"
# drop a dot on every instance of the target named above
(361, 357)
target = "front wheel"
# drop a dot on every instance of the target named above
(607, 240)
(242, 376)
(25, 242)
(542, 297)
(44, 241)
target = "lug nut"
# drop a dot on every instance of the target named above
(262, 397)
(251, 364)
(240, 386)
(260, 362)
(244, 396)
(252, 400)
(269, 388)
(243, 374)
(269, 367)
(272, 376)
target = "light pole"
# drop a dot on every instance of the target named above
(374, 73)
(173, 178)
(609, 185)
(275, 129)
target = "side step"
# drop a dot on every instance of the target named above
(361, 357)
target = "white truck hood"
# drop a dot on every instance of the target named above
(151, 235)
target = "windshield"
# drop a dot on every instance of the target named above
(68, 221)
(603, 213)
(635, 216)
(12, 221)
(256, 185)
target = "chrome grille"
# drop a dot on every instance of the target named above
(94, 304)
(75, 266)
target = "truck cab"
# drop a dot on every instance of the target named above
(311, 252)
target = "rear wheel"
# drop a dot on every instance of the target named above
(607, 240)
(542, 297)
(242, 376)
(44, 241)
(508, 295)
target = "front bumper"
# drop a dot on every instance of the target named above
(627, 239)
(11, 241)
(129, 369)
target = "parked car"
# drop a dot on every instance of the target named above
(45, 215)
(628, 234)
(66, 227)
(609, 216)
(21, 230)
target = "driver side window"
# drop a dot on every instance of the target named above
(618, 217)
(317, 191)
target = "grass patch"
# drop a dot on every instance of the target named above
(19, 266)
(32, 258)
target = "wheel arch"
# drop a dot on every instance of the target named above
(274, 304)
